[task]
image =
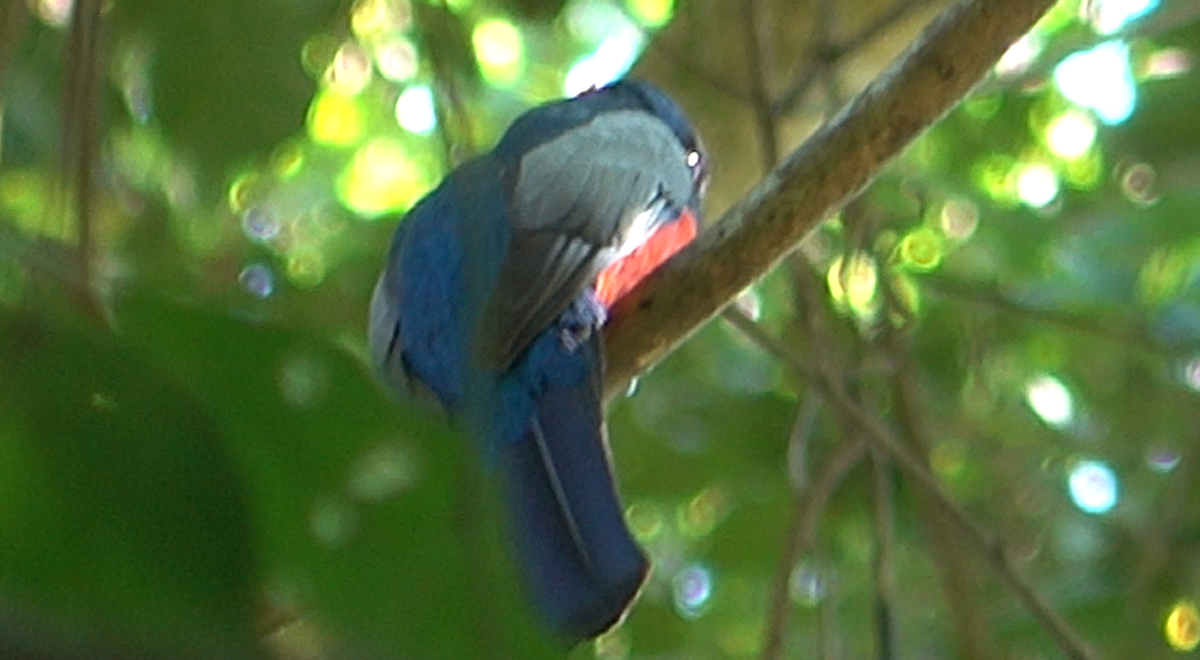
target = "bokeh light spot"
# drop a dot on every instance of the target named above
(381, 178)
(381, 473)
(853, 282)
(645, 520)
(259, 223)
(806, 585)
(907, 296)
(1137, 182)
(1037, 184)
(1071, 134)
(1191, 373)
(318, 52)
(287, 159)
(1167, 63)
(749, 303)
(1100, 79)
(1182, 626)
(651, 13)
(53, 12)
(996, 175)
(245, 190)
(611, 59)
(1163, 459)
(1020, 55)
(959, 218)
(303, 381)
(700, 515)
(258, 280)
(691, 589)
(590, 21)
(333, 522)
(1084, 172)
(306, 266)
(350, 70)
(499, 50)
(612, 645)
(397, 59)
(415, 111)
(1108, 16)
(1050, 400)
(922, 249)
(335, 119)
(370, 18)
(1093, 487)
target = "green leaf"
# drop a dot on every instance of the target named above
(371, 514)
(122, 513)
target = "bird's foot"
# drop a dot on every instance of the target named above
(585, 316)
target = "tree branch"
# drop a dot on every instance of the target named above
(951, 56)
(883, 440)
(807, 509)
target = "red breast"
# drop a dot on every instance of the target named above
(622, 275)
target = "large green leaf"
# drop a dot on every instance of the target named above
(121, 513)
(371, 514)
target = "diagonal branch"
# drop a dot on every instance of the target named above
(882, 440)
(950, 57)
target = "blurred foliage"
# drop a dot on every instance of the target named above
(202, 461)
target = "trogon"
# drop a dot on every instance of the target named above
(492, 300)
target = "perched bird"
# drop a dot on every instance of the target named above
(492, 300)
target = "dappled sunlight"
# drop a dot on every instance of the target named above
(1100, 79)
(611, 59)
(1182, 626)
(381, 178)
(854, 283)
(500, 51)
(959, 418)
(692, 588)
(1071, 134)
(1050, 400)
(414, 110)
(258, 279)
(1037, 184)
(1109, 16)
(1093, 486)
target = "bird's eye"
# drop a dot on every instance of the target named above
(695, 163)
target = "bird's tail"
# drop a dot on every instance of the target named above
(581, 564)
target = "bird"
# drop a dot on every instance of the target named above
(491, 303)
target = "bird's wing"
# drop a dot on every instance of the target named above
(580, 201)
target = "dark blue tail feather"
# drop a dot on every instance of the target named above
(582, 566)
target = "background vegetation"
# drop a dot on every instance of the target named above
(195, 198)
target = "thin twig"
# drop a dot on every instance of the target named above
(806, 512)
(831, 168)
(457, 134)
(767, 132)
(869, 32)
(882, 560)
(81, 137)
(827, 53)
(787, 103)
(696, 71)
(969, 632)
(1129, 333)
(881, 438)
